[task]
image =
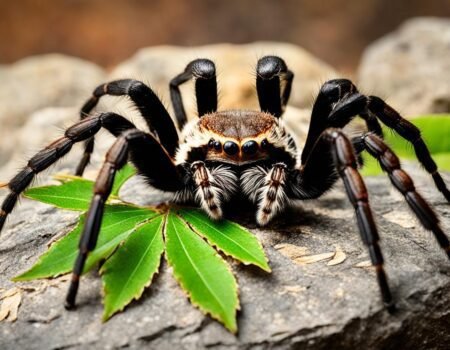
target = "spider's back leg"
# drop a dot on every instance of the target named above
(150, 107)
(81, 131)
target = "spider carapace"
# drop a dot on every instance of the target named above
(242, 154)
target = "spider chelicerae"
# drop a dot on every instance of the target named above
(231, 155)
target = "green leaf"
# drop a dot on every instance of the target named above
(75, 194)
(201, 272)
(118, 222)
(131, 268)
(229, 237)
(121, 177)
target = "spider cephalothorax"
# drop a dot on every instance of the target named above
(232, 152)
(238, 154)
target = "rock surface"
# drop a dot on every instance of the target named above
(306, 306)
(411, 67)
(296, 306)
(37, 82)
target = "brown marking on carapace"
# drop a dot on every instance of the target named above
(238, 124)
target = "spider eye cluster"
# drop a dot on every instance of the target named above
(231, 148)
(215, 144)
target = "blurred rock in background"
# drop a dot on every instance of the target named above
(109, 31)
(411, 67)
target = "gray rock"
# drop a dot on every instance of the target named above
(41, 81)
(296, 306)
(310, 306)
(411, 67)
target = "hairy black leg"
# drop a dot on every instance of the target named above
(273, 84)
(115, 159)
(344, 160)
(149, 106)
(204, 73)
(392, 119)
(332, 96)
(134, 143)
(376, 107)
(56, 150)
(330, 93)
(390, 163)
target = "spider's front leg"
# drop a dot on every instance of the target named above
(151, 160)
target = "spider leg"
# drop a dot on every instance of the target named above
(372, 105)
(334, 144)
(330, 95)
(134, 142)
(204, 73)
(56, 150)
(271, 72)
(390, 163)
(149, 106)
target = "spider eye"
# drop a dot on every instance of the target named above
(264, 144)
(230, 148)
(215, 144)
(250, 147)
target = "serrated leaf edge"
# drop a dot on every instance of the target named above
(130, 231)
(188, 294)
(140, 292)
(212, 244)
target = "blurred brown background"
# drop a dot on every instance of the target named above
(107, 32)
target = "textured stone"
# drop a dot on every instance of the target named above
(307, 306)
(296, 306)
(411, 67)
(41, 81)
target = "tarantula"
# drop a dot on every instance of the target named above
(241, 154)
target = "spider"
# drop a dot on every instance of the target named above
(241, 154)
